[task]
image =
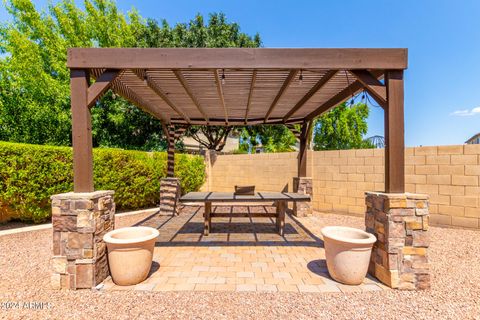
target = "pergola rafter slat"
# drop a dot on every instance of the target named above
(135, 99)
(340, 97)
(320, 83)
(218, 83)
(280, 93)
(250, 93)
(184, 83)
(143, 74)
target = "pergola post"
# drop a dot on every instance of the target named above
(171, 152)
(394, 133)
(81, 132)
(302, 151)
(399, 220)
(81, 218)
(303, 184)
(170, 186)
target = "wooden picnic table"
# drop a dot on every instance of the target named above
(280, 200)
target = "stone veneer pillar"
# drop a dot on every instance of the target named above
(169, 194)
(400, 223)
(80, 220)
(302, 185)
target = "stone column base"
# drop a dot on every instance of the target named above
(169, 195)
(302, 185)
(400, 223)
(79, 221)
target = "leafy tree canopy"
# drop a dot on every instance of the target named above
(272, 138)
(342, 128)
(34, 100)
(35, 95)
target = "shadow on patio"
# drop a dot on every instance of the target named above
(187, 229)
(240, 254)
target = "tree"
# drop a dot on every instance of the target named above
(216, 33)
(34, 100)
(212, 138)
(273, 138)
(342, 128)
(35, 95)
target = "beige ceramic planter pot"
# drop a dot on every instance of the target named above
(348, 253)
(130, 253)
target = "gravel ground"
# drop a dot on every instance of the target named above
(455, 293)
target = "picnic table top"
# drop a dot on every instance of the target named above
(231, 197)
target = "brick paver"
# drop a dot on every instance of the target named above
(240, 254)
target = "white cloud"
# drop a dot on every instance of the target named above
(466, 112)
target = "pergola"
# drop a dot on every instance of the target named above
(237, 86)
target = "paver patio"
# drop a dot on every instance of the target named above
(240, 254)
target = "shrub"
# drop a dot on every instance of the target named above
(30, 174)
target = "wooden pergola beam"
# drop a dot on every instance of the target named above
(184, 83)
(131, 96)
(220, 94)
(250, 94)
(236, 58)
(335, 100)
(101, 85)
(320, 84)
(81, 132)
(144, 75)
(338, 98)
(235, 121)
(283, 88)
(373, 86)
(394, 133)
(302, 152)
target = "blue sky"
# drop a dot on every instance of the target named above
(442, 83)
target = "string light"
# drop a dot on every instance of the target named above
(114, 96)
(300, 77)
(223, 76)
(145, 79)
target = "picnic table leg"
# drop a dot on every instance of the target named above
(207, 218)
(277, 216)
(281, 207)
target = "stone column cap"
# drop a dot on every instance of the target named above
(169, 179)
(406, 195)
(302, 177)
(82, 195)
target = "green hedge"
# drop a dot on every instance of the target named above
(30, 174)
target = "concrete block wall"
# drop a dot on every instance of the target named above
(267, 171)
(449, 174)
